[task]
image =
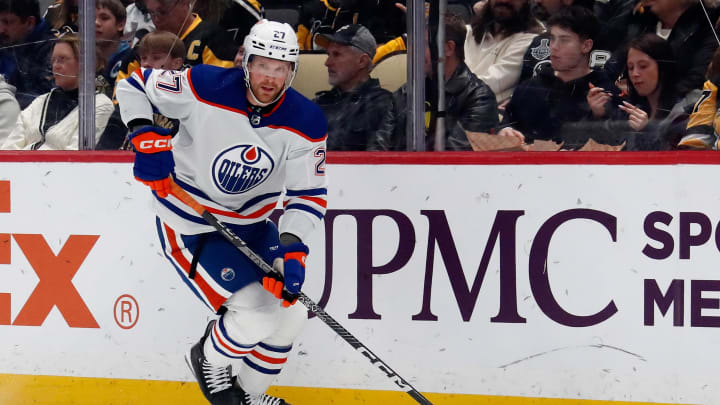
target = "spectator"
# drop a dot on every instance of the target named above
(552, 105)
(238, 16)
(355, 107)
(381, 17)
(51, 120)
(538, 53)
(9, 109)
(109, 23)
(684, 25)
(138, 22)
(470, 103)
(702, 128)
(26, 41)
(499, 36)
(157, 50)
(655, 115)
(63, 16)
(204, 41)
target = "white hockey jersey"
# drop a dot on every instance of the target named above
(235, 162)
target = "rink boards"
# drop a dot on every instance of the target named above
(504, 279)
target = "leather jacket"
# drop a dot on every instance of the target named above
(354, 117)
(469, 104)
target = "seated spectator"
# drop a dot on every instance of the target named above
(63, 16)
(51, 120)
(109, 23)
(381, 17)
(552, 105)
(684, 25)
(654, 115)
(496, 43)
(205, 42)
(9, 109)
(238, 17)
(26, 43)
(702, 128)
(538, 53)
(138, 22)
(157, 50)
(470, 103)
(355, 107)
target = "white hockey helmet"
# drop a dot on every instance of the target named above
(274, 40)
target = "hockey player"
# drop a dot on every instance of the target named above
(244, 136)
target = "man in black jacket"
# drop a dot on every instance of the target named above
(553, 105)
(26, 43)
(356, 106)
(470, 104)
(684, 25)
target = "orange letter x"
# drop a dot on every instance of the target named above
(55, 287)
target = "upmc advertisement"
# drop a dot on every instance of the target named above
(551, 280)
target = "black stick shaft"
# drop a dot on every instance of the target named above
(309, 303)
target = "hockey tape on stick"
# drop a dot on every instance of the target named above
(186, 198)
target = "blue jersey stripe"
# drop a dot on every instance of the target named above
(260, 368)
(309, 192)
(192, 189)
(256, 200)
(182, 214)
(226, 336)
(303, 207)
(275, 349)
(135, 84)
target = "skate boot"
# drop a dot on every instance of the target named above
(215, 382)
(262, 400)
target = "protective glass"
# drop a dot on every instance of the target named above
(269, 67)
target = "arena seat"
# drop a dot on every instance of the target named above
(312, 74)
(391, 71)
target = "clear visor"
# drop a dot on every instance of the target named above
(270, 67)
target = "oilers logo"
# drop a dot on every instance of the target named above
(241, 168)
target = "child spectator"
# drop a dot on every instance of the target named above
(109, 23)
(51, 120)
(157, 50)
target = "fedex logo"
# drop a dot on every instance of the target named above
(55, 274)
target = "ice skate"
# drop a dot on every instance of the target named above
(262, 400)
(215, 381)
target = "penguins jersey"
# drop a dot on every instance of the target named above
(234, 161)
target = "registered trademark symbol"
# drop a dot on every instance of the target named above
(126, 311)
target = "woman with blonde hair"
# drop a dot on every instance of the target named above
(51, 120)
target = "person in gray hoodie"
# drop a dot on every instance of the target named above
(9, 108)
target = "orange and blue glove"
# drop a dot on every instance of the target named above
(289, 276)
(153, 158)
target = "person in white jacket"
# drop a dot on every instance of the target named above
(9, 108)
(498, 36)
(51, 120)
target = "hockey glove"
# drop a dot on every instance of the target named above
(286, 283)
(153, 158)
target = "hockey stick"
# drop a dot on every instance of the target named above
(212, 220)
